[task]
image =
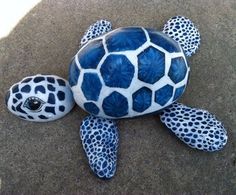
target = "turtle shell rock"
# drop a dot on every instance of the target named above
(128, 72)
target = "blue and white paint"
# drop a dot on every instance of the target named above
(100, 142)
(128, 72)
(134, 71)
(196, 127)
(123, 73)
(97, 29)
(183, 30)
(40, 98)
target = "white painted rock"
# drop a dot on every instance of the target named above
(40, 98)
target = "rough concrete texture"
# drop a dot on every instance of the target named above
(48, 158)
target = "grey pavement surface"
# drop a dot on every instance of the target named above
(47, 158)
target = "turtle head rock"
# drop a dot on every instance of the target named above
(40, 98)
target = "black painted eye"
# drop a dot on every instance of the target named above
(34, 103)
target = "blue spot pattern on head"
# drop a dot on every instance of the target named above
(178, 69)
(26, 80)
(178, 92)
(163, 41)
(51, 98)
(62, 108)
(61, 95)
(142, 99)
(50, 79)
(38, 79)
(50, 109)
(61, 82)
(18, 96)
(26, 89)
(14, 100)
(51, 87)
(151, 65)
(30, 117)
(91, 108)
(124, 39)
(74, 73)
(39, 88)
(19, 109)
(91, 79)
(197, 128)
(15, 89)
(91, 54)
(43, 117)
(117, 71)
(115, 105)
(100, 141)
(163, 95)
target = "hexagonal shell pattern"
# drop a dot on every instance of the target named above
(123, 39)
(117, 71)
(90, 55)
(151, 65)
(142, 99)
(178, 69)
(91, 93)
(164, 94)
(115, 105)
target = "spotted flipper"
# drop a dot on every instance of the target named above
(183, 31)
(97, 29)
(100, 141)
(197, 128)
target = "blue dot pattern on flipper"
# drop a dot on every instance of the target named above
(197, 128)
(183, 31)
(97, 29)
(100, 141)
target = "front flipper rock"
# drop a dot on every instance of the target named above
(197, 128)
(100, 142)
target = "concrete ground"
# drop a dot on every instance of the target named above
(48, 158)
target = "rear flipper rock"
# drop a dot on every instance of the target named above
(100, 142)
(197, 128)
